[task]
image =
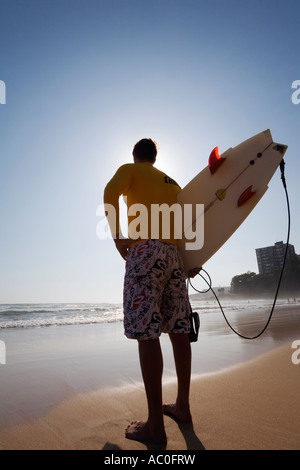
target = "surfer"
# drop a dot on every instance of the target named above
(155, 295)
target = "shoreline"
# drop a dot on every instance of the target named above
(253, 405)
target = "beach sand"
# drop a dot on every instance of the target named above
(253, 404)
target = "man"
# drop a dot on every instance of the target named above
(155, 296)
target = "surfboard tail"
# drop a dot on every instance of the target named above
(280, 148)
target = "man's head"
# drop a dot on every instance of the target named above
(145, 151)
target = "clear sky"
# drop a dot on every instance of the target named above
(86, 79)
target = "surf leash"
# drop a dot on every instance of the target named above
(209, 281)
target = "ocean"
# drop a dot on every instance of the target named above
(58, 314)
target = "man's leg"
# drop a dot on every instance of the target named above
(183, 358)
(151, 362)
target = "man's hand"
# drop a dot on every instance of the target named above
(122, 245)
(193, 272)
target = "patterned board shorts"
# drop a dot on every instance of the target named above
(155, 293)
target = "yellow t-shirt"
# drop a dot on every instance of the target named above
(149, 193)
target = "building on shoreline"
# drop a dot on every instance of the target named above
(270, 258)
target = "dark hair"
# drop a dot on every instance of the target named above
(145, 150)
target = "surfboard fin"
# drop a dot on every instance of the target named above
(245, 196)
(215, 160)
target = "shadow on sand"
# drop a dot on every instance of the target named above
(191, 439)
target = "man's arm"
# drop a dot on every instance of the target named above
(122, 245)
(118, 185)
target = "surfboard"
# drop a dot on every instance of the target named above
(229, 188)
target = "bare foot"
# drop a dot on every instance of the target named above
(181, 416)
(140, 431)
